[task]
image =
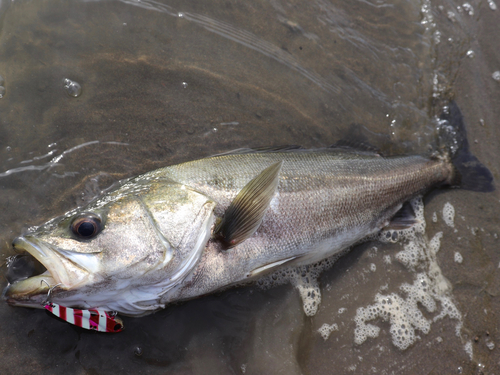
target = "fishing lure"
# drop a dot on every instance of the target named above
(93, 319)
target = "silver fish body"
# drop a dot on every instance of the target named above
(326, 201)
(155, 240)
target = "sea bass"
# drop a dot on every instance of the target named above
(190, 229)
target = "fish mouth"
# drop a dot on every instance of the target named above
(33, 291)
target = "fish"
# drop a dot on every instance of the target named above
(188, 230)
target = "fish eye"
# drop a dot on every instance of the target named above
(86, 226)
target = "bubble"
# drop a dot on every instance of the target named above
(451, 16)
(180, 15)
(492, 5)
(496, 75)
(373, 252)
(470, 54)
(327, 329)
(437, 37)
(490, 344)
(449, 214)
(185, 85)
(468, 9)
(72, 88)
(8, 148)
(412, 255)
(2, 92)
(458, 257)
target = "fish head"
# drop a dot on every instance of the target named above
(120, 252)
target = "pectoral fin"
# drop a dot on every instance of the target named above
(244, 215)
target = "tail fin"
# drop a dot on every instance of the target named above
(471, 174)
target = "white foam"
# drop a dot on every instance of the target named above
(327, 329)
(449, 214)
(430, 289)
(305, 279)
(309, 291)
(403, 314)
(490, 344)
(458, 257)
(468, 9)
(468, 349)
(412, 255)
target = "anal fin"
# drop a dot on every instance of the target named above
(403, 219)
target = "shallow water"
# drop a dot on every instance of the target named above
(165, 82)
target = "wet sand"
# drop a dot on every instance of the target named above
(304, 75)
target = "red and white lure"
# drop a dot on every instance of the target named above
(98, 320)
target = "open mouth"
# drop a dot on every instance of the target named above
(29, 275)
(23, 266)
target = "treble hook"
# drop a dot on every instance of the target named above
(47, 300)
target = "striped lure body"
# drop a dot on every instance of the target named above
(97, 320)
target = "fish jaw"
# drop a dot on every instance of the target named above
(62, 273)
(31, 292)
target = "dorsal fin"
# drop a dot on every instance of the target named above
(359, 138)
(356, 139)
(241, 151)
(356, 145)
(244, 215)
